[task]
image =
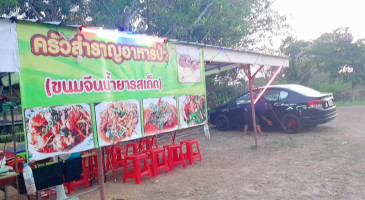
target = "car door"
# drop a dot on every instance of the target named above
(238, 113)
(278, 101)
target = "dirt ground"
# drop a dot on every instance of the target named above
(324, 162)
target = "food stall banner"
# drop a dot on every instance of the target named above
(87, 87)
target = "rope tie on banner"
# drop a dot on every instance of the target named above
(221, 51)
(79, 57)
(224, 48)
(257, 58)
(63, 35)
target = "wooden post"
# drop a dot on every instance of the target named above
(13, 133)
(250, 78)
(100, 172)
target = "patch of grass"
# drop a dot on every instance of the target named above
(253, 147)
(332, 150)
(357, 102)
(276, 145)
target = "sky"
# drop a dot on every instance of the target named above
(311, 18)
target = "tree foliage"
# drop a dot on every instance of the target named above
(222, 87)
(189, 20)
(262, 25)
(335, 54)
(217, 22)
(71, 11)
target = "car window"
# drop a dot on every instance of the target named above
(243, 99)
(274, 95)
(271, 95)
(246, 98)
(283, 95)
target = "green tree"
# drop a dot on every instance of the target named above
(263, 24)
(217, 22)
(70, 12)
(7, 5)
(302, 67)
(222, 87)
(334, 53)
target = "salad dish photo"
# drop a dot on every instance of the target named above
(192, 110)
(159, 115)
(58, 128)
(118, 121)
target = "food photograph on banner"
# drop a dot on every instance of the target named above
(57, 130)
(189, 65)
(118, 121)
(192, 110)
(159, 115)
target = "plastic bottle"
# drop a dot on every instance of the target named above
(206, 131)
(29, 180)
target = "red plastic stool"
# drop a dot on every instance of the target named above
(115, 158)
(84, 180)
(48, 192)
(190, 154)
(148, 143)
(118, 159)
(158, 161)
(109, 155)
(144, 144)
(134, 147)
(93, 164)
(153, 141)
(174, 156)
(137, 173)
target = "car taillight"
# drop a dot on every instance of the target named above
(315, 103)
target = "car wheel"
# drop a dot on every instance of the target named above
(291, 123)
(223, 123)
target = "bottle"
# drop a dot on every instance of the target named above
(206, 131)
(29, 180)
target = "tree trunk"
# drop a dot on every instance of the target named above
(353, 85)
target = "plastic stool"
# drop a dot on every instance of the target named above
(137, 173)
(153, 141)
(84, 180)
(144, 144)
(157, 164)
(148, 143)
(93, 164)
(190, 155)
(108, 159)
(174, 156)
(115, 158)
(134, 147)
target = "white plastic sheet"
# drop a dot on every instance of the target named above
(9, 52)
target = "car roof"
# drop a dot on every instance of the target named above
(297, 88)
(287, 86)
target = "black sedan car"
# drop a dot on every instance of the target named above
(291, 108)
